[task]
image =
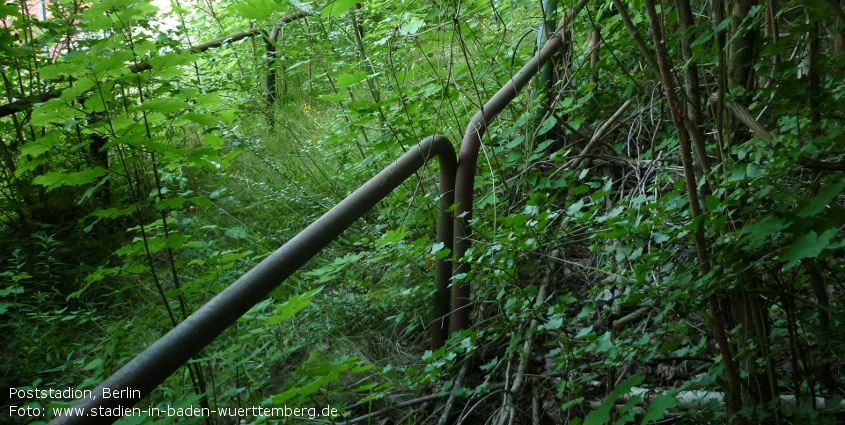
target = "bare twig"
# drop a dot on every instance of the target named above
(578, 161)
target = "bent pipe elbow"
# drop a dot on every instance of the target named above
(155, 364)
(467, 164)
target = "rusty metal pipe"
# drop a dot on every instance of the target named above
(170, 352)
(467, 163)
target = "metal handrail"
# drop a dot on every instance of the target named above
(467, 161)
(177, 347)
(457, 177)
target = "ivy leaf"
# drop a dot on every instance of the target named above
(753, 171)
(584, 332)
(809, 245)
(393, 236)
(437, 247)
(604, 343)
(712, 202)
(659, 237)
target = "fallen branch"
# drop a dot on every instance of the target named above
(627, 319)
(508, 411)
(576, 162)
(742, 115)
(701, 399)
(444, 417)
(409, 403)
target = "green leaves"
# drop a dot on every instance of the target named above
(412, 26)
(41, 145)
(257, 9)
(155, 244)
(601, 415)
(338, 7)
(816, 204)
(163, 105)
(56, 71)
(764, 228)
(393, 236)
(807, 238)
(334, 97)
(292, 306)
(238, 232)
(347, 80)
(53, 179)
(7, 10)
(53, 111)
(319, 374)
(658, 407)
(707, 35)
(809, 245)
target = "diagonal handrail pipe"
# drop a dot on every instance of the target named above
(457, 177)
(177, 347)
(467, 165)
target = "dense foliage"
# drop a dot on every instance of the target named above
(657, 230)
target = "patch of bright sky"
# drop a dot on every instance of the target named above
(165, 22)
(162, 5)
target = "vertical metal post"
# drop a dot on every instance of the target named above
(467, 163)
